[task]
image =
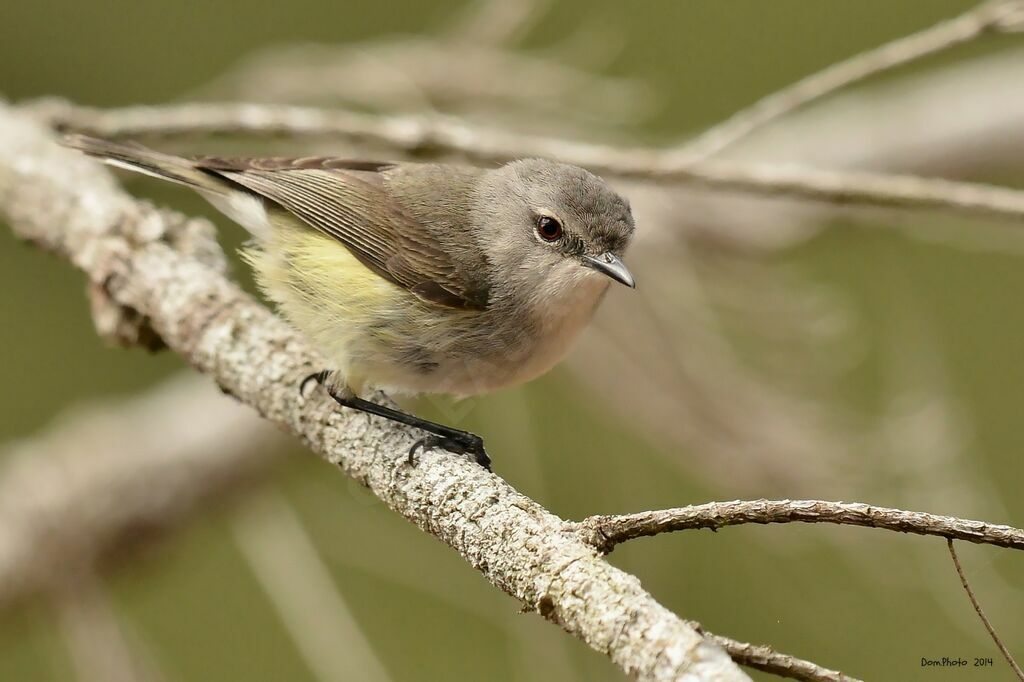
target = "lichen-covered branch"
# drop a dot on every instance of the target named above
(67, 204)
(97, 465)
(605, 532)
(439, 136)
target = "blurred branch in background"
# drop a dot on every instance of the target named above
(946, 120)
(108, 478)
(102, 482)
(472, 67)
(991, 17)
(97, 638)
(439, 136)
(85, 491)
(289, 568)
(957, 119)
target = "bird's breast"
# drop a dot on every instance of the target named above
(531, 335)
(380, 335)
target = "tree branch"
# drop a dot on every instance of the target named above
(224, 445)
(67, 205)
(605, 532)
(994, 16)
(437, 136)
(766, 659)
(49, 540)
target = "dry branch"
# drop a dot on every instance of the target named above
(606, 532)
(440, 136)
(994, 16)
(768, 660)
(52, 542)
(66, 204)
(71, 529)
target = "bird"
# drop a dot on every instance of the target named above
(416, 277)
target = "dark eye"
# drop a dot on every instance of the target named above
(549, 228)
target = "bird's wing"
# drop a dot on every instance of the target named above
(349, 201)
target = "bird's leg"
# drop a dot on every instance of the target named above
(453, 440)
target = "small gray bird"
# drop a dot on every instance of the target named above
(417, 277)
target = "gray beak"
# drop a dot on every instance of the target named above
(611, 265)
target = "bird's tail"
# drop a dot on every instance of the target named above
(135, 157)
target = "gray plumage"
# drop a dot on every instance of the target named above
(484, 277)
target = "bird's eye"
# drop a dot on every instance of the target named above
(549, 229)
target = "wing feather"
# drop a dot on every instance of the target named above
(349, 202)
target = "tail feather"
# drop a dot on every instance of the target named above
(134, 157)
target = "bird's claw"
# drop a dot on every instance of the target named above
(459, 444)
(319, 377)
(452, 440)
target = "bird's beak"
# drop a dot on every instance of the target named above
(611, 265)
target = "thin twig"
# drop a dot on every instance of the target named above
(995, 16)
(605, 532)
(981, 614)
(766, 659)
(430, 137)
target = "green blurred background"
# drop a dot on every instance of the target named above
(869, 603)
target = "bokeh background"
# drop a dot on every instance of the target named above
(772, 350)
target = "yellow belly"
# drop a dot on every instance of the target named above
(376, 333)
(343, 306)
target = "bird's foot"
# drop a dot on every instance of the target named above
(441, 436)
(319, 377)
(458, 442)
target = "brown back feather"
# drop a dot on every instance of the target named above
(350, 201)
